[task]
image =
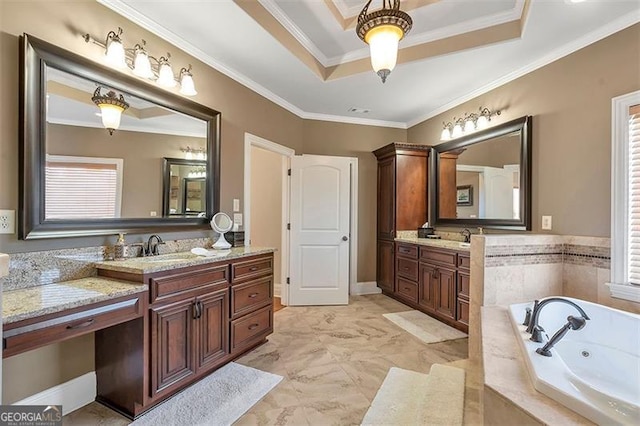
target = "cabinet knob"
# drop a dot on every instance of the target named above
(253, 326)
(253, 268)
(253, 295)
(86, 323)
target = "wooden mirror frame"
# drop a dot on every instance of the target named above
(524, 126)
(35, 56)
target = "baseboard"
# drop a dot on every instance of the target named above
(74, 394)
(368, 287)
(277, 290)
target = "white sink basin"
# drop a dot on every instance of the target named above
(464, 245)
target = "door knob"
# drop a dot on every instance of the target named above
(345, 238)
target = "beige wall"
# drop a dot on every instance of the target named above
(349, 140)
(266, 204)
(570, 101)
(142, 154)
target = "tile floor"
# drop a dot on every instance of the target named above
(333, 360)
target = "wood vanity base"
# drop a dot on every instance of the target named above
(198, 319)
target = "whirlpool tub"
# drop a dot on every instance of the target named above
(594, 371)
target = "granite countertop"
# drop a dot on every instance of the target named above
(164, 262)
(506, 373)
(18, 305)
(431, 242)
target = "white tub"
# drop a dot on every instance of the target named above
(594, 371)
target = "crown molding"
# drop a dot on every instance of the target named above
(619, 24)
(150, 25)
(272, 7)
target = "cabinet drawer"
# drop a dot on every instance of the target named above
(27, 337)
(463, 311)
(408, 250)
(251, 295)
(407, 268)
(464, 261)
(463, 285)
(442, 257)
(407, 290)
(251, 328)
(179, 283)
(251, 268)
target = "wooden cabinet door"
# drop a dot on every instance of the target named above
(172, 358)
(385, 271)
(386, 198)
(446, 292)
(212, 329)
(426, 287)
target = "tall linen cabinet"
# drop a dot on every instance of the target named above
(402, 201)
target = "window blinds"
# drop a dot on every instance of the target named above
(81, 190)
(634, 195)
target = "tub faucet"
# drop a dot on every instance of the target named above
(534, 328)
(152, 245)
(573, 323)
(466, 234)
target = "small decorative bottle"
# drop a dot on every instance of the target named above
(120, 249)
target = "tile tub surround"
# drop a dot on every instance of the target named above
(509, 396)
(18, 305)
(47, 267)
(146, 265)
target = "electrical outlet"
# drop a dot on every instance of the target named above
(237, 219)
(7, 221)
(546, 223)
(153, 214)
(236, 205)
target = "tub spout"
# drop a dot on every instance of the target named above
(533, 322)
(573, 323)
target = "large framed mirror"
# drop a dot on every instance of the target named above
(484, 179)
(79, 176)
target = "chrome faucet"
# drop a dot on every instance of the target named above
(466, 234)
(151, 248)
(573, 323)
(534, 328)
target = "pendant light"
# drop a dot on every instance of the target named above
(111, 108)
(382, 30)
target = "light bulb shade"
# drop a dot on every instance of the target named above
(115, 52)
(483, 122)
(383, 43)
(469, 126)
(187, 86)
(165, 75)
(457, 131)
(111, 108)
(446, 134)
(382, 30)
(142, 65)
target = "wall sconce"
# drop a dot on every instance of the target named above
(143, 65)
(199, 172)
(111, 108)
(469, 124)
(194, 153)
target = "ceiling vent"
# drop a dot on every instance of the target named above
(359, 110)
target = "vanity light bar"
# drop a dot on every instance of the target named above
(143, 65)
(467, 124)
(194, 153)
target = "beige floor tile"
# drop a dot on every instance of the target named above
(334, 360)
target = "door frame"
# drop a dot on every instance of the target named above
(286, 153)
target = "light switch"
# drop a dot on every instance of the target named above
(236, 205)
(237, 219)
(546, 223)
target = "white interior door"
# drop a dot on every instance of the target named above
(498, 190)
(320, 211)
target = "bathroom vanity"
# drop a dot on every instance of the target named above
(432, 276)
(161, 322)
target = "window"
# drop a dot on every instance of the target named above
(83, 187)
(625, 200)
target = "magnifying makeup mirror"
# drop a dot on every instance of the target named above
(221, 223)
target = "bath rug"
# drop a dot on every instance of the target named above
(219, 399)
(424, 327)
(410, 398)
